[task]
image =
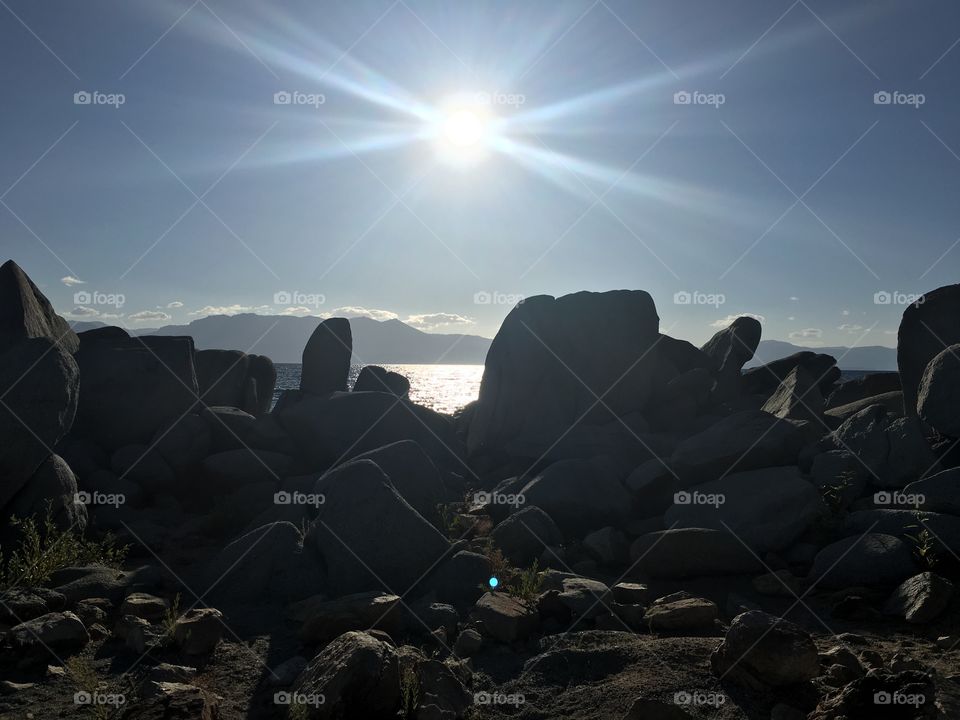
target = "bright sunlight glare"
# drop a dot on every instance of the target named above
(463, 130)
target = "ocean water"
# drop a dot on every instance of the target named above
(443, 388)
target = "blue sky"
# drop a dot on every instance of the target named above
(785, 188)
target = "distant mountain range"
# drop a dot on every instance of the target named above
(283, 338)
(869, 357)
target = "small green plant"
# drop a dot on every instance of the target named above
(45, 548)
(409, 693)
(94, 694)
(453, 524)
(499, 567)
(525, 585)
(170, 620)
(924, 543)
(299, 711)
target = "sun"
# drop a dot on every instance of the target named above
(463, 130)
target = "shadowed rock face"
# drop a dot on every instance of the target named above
(553, 357)
(927, 328)
(25, 313)
(39, 386)
(326, 358)
(129, 388)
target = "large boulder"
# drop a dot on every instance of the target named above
(370, 538)
(262, 374)
(505, 618)
(236, 379)
(39, 388)
(768, 649)
(355, 676)
(326, 358)
(940, 493)
(867, 386)
(797, 397)
(234, 468)
(524, 535)
(927, 327)
(130, 388)
(909, 524)
(893, 451)
(767, 509)
(730, 349)
(553, 357)
(746, 440)
(579, 495)
(938, 398)
(819, 366)
(921, 598)
(266, 562)
(378, 379)
(52, 487)
(344, 425)
(221, 376)
(863, 561)
(412, 473)
(692, 552)
(323, 620)
(26, 314)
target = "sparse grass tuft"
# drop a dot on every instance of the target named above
(45, 548)
(525, 585)
(409, 693)
(170, 620)
(924, 543)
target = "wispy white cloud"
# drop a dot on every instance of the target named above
(82, 313)
(356, 311)
(725, 322)
(149, 315)
(174, 305)
(70, 281)
(429, 321)
(852, 329)
(806, 334)
(232, 310)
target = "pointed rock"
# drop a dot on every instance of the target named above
(326, 358)
(25, 313)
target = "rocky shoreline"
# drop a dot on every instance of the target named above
(623, 525)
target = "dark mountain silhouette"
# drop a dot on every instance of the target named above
(392, 341)
(869, 357)
(283, 338)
